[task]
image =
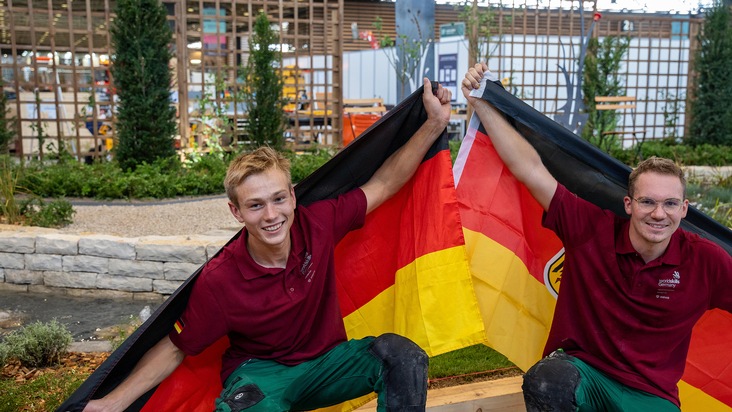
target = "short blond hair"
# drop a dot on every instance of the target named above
(658, 165)
(251, 163)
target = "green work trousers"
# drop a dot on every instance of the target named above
(345, 372)
(598, 392)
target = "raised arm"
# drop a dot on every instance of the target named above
(519, 156)
(159, 362)
(402, 164)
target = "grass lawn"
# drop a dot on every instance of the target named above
(474, 363)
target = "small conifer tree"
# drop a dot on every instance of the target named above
(145, 120)
(602, 78)
(263, 87)
(711, 104)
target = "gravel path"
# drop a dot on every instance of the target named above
(197, 216)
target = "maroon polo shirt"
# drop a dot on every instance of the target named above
(288, 315)
(627, 318)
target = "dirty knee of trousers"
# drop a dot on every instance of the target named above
(550, 384)
(404, 372)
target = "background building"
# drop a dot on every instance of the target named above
(56, 56)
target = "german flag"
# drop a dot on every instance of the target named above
(405, 271)
(508, 251)
(517, 264)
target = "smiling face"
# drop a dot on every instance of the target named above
(267, 209)
(651, 230)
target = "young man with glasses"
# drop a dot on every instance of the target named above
(632, 288)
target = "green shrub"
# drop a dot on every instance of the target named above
(714, 202)
(205, 176)
(39, 344)
(302, 165)
(712, 195)
(686, 155)
(711, 103)
(454, 148)
(9, 177)
(4, 354)
(164, 178)
(56, 213)
(60, 179)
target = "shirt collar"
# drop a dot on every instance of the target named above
(671, 256)
(250, 269)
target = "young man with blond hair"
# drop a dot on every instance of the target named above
(632, 288)
(272, 291)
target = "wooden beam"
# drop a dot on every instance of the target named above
(499, 395)
(614, 99)
(615, 106)
(615, 102)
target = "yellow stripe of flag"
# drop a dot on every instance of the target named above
(517, 309)
(694, 399)
(432, 302)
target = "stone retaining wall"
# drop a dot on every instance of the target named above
(37, 259)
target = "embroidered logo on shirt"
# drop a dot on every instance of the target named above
(179, 325)
(674, 281)
(665, 286)
(306, 267)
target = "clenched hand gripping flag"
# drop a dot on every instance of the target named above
(517, 264)
(405, 271)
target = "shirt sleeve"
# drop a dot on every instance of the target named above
(202, 322)
(572, 218)
(346, 212)
(721, 296)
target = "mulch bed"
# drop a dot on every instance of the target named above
(71, 361)
(86, 363)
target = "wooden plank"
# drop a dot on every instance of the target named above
(370, 109)
(375, 105)
(621, 132)
(500, 395)
(377, 101)
(615, 106)
(614, 99)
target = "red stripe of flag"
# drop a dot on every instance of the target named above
(402, 229)
(194, 384)
(709, 364)
(494, 203)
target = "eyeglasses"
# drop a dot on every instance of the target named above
(647, 204)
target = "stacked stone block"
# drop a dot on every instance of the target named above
(35, 259)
